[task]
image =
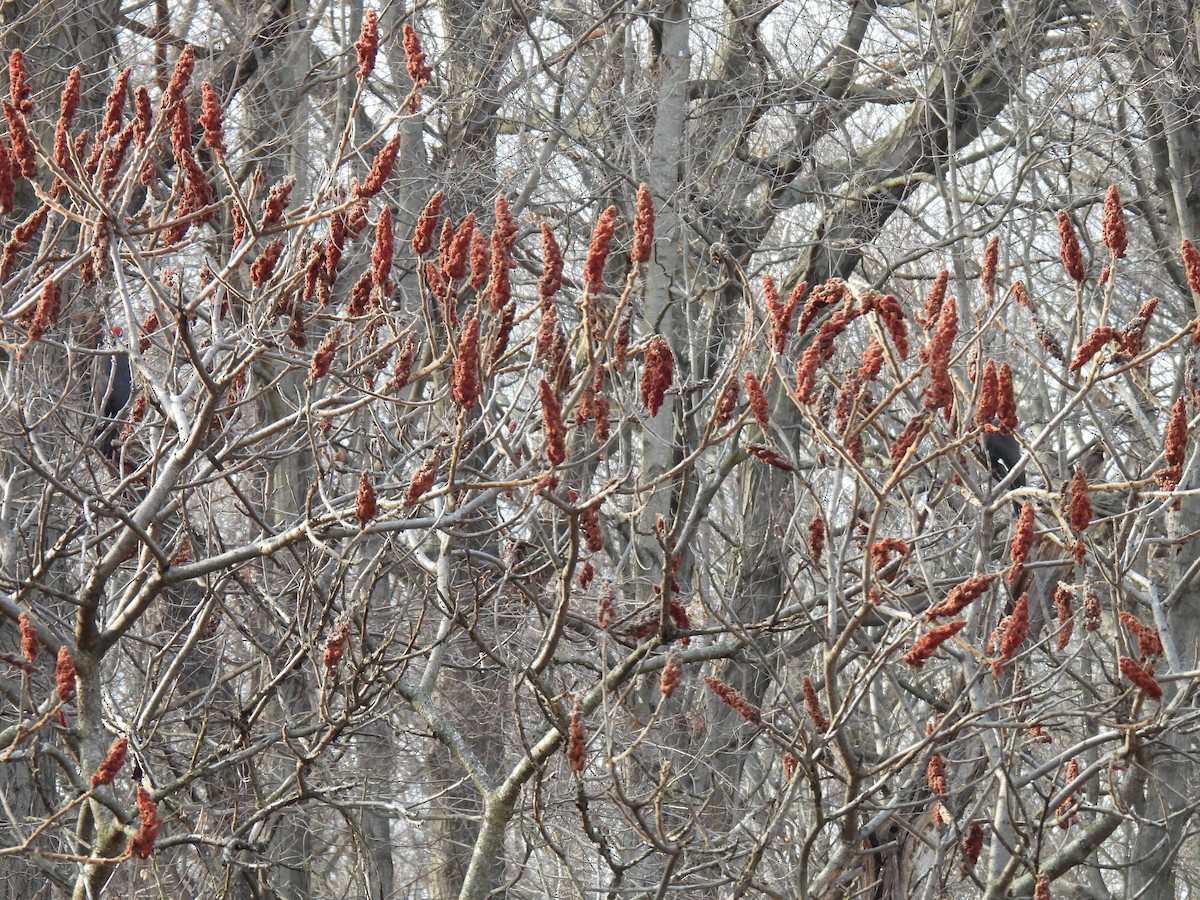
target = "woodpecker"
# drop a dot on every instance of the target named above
(117, 384)
(1003, 452)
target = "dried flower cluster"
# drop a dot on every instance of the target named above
(991, 259)
(264, 267)
(577, 739)
(989, 396)
(382, 252)
(211, 119)
(1116, 236)
(335, 648)
(927, 644)
(934, 300)
(1133, 335)
(889, 310)
(620, 352)
(46, 315)
(672, 675)
(882, 550)
(366, 503)
(367, 45)
(141, 844)
(415, 65)
(466, 387)
(454, 265)
(935, 775)
(30, 642)
(19, 88)
(940, 393)
(758, 401)
(64, 674)
(198, 194)
(789, 766)
(732, 698)
(112, 763)
(1191, 265)
(1015, 629)
(727, 402)
(360, 296)
(598, 250)
(589, 525)
(960, 597)
(1066, 810)
(823, 296)
(972, 847)
(812, 703)
(816, 538)
(1068, 247)
(427, 224)
(277, 201)
(822, 346)
(1022, 541)
(1148, 641)
(423, 479)
(1066, 615)
(1006, 404)
(181, 77)
(143, 116)
(1095, 342)
(504, 235)
(779, 313)
(322, 360)
(552, 421)
(21, 238)
(643, 227)
(1142, 679)
(872, 363)
(1081, 502)
(24, 152)
(658, 373)
(1175, 452)
(908, 438)
(770, 456)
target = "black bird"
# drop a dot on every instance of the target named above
(117, 384)
(1003, 452)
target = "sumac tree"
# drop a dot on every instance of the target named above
(461, 540)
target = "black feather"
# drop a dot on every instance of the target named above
(1003, 453)
(117, 383)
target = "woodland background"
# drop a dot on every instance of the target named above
(619, 523)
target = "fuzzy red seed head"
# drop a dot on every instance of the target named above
(427, 224)
(643, 226)
(991, 259)
(658, 374)
(1116, 236)
(602, 234)
(367, 45)
(555, 429)
(812, 703)
(112, 763)
(366, 503)
(30, 642)
(1068, 242)
(927, 644)
(466, 387)
(64, 674)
